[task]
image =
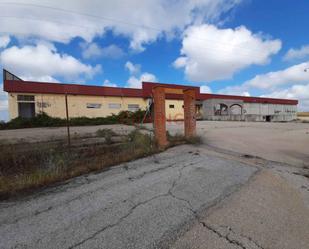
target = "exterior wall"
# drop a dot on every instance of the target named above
(209, 107)
(176, 113)
(250, 111)
(277, 113)
(54, 105)
(13, 107)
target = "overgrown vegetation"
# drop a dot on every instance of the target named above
(25, 167)
(107, 134)
(43, 120)
(180, 138)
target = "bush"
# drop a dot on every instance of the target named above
(43, 120)
(107, 134)
(29, 167)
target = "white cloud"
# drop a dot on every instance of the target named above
(4, 41)
(295, 54)
(93, 50)
(108, 83)
(133, 68)
(134, 82)
(209, 53)
(235, 90)
(44, 78)
(294, 78)
(300, 92)
(205, 89)
(42, 61)
(3, 99)
(291, 75)
(141, 21)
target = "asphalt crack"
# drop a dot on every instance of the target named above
(230, 236)
(169, 193)
(116, 223)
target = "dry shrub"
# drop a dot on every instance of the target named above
(22, 169)
(27, 167)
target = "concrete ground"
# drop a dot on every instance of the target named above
(56, 133)
(141, 204)
(202, 196)
(280, 142)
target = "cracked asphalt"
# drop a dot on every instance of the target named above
(146, 203)
(186, 197)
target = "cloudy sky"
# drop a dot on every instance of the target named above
(246, 47)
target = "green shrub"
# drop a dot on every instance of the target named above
(43, 120)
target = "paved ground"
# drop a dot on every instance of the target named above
(55, 133)
(142, 204)
(206, 196)
(266, 213)
(281, 142)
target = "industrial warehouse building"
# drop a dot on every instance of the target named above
(29, 98)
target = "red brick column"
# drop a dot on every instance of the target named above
(159, 116)
(189, 113)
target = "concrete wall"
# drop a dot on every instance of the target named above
(250, 111)
(54, 105)
(176, 113)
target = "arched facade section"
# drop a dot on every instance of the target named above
(236, 109)
(221, 109)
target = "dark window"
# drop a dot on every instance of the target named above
(93, 106)
(133, 107)
(172, 106)
(26, 110)
(25, 98)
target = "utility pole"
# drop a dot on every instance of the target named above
(68, 120)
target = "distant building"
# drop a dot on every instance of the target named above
(29, 98)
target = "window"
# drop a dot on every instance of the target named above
(93, 106)
(114, 106)
(133, 107)
(25, 98)
(172, 106)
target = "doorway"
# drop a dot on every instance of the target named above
(26, 110)
(268, 118)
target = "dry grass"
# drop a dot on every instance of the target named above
(26, 167)
(22, 168)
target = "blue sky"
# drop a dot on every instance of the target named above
(245, 47)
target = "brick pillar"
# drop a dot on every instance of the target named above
(159, 116)
(189, 113)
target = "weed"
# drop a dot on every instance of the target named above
(107, 134)
(179, 138)
(26, 168)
